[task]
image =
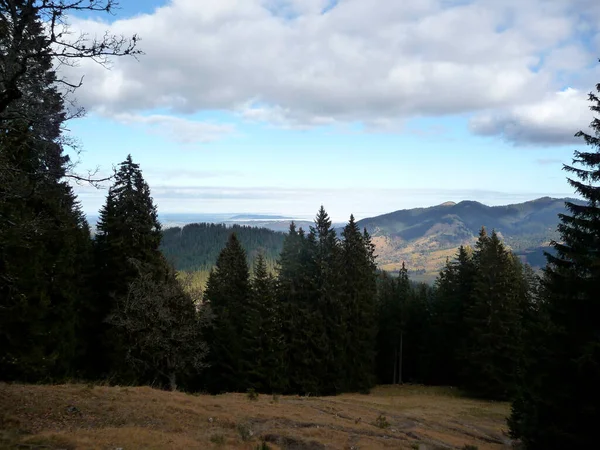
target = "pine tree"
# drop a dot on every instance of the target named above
(44, 238)
(448, 335)
(393, 298)
(329, 302)
(228, 294)
(557, 403)
(304, 334)
(263, 334)
(360, 291)
(128, 235)
(494, 321)
(417, 331)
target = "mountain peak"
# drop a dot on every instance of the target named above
(448, 204)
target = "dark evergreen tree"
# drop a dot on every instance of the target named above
(128, 234)
(161, 319)
(359, 291)
(404, 310)
(492, 354)
(228, 294)
(329, 301)
(557, 402)
(418, 330)
(303, 323)
(44, 239)
(448, 332)
(262, 339)
(393, 298)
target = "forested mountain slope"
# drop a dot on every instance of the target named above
(424, 237)
(195, 247)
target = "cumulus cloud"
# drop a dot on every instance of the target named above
(551, 121)
(307, 63)
(181, 130)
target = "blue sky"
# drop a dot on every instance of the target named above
(271, 106)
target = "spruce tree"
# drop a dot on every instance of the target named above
(304, 333)
(360, 291)
(228, 295)
(329, 302)
(262, 338)
(128, 235)
(393, 299)
(44, 239)
(557, 403)
(491, 355)
(449, 332)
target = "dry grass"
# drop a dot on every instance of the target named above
(99, 417)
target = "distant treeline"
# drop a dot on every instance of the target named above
(195, 247)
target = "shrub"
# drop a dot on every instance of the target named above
(217, 439)
(252, 395)
(381, 422)
(244, 431)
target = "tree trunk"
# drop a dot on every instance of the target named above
(173, 381)
(400, 361)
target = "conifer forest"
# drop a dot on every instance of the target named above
(307, 312)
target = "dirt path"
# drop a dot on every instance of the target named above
(97, 417)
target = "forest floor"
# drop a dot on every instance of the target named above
(78, 416)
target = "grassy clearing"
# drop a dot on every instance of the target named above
(98, 417)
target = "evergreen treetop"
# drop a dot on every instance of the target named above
(557, 403)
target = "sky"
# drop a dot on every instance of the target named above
(364, 106)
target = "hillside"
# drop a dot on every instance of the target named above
(425, 237)
(98, 417)
(195, 247)
(422, 237)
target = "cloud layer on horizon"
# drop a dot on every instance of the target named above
(303, 201)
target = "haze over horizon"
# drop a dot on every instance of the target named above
(279, 106)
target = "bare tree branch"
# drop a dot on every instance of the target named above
(18, 16)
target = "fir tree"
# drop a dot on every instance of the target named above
(303, 328)
(393, 298)
(448, 336)
(329, 302)
(557, 403)
(494, 321)
(263, 334)
(44, 239)
(128, 235)
(228, 293)
(360, 291)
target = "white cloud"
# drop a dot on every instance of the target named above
(373, 61)
(180, 130)
(552, 121)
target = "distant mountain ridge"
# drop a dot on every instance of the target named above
(425, 237)
(422, 237)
